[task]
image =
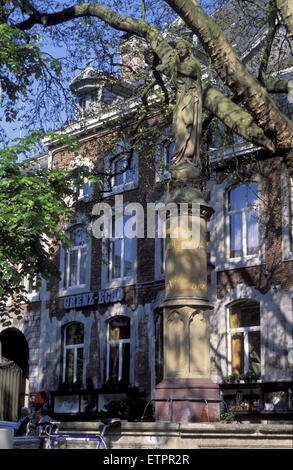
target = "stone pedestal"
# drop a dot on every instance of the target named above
(190, 400)
(187, 388)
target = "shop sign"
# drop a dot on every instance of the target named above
(103, 296)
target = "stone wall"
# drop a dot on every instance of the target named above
(186, 436)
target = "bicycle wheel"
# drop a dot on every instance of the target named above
(101, 443)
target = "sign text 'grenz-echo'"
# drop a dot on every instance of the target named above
(104, 296)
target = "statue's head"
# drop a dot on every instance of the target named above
(183, 48)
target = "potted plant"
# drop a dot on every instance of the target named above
(250, 376)
(227, 417)
(232, 378)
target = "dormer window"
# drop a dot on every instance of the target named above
(86, 104)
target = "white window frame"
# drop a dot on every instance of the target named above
(107, 264)
(65, 269)
(287, 216)
(162, 161)
(160, 250)
(33, 296)
(245, 330)
(128, 173)
(82, 162)
(109, 167)
(85, 196)
(243, 212)
(87, 104)
(75, 347)
(120, 342)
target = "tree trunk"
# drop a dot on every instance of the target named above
(277, 127)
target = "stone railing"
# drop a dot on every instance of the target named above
(186, 436)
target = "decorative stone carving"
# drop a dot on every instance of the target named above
(187, 353)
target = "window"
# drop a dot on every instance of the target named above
(73, 353)
(287, 215)
(32, 285)
(164, 161)
(159, 347)
(87, 104)
(244, 337)
(121, 178)
(160, 244)
(83, 191)
(242, 220)
(121, 262)
(76, 259)
(118, 350)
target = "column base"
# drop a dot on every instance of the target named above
(182, 404)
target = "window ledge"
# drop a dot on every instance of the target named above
(120, 189)
(289, 257)
(119, 283)
(163, 177)
(74, 290)
(87, 198)
(240, 263)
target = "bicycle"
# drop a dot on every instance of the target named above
(35, 429)
(52, 431)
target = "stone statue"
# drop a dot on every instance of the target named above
(185, 74)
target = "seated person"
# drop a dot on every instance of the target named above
(43, 420)
(44, 417)
(21, 425)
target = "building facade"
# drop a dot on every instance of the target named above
(95, 336)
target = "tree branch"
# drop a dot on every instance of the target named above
(268, 46)
(277, 86)
(276, 126)
(143, 11)
(234, 117)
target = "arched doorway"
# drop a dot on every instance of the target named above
(15, 371)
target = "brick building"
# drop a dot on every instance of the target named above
(95, 335)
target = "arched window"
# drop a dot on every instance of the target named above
(76, 258)
(242, 221)
(118, 350)
(73, 353)
(244, 343)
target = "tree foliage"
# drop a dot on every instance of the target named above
(265, 124)
(35, 204)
